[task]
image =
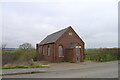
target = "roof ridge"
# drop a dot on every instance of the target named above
(58, 31)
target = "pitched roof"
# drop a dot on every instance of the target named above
(53, 37)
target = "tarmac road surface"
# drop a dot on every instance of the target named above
(106, 70)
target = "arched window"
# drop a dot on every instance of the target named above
(39, 50)
(60, 51)
(48, 51)
(43, 51)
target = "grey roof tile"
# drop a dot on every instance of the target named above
(53, 37)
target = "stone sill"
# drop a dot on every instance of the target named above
(61, 56)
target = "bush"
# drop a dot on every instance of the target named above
(26, 55)
(23, 55)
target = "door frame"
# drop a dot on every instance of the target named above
(78, 55)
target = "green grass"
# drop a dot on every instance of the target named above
(18, 67)
(22, 55)
(102, 54)
(9, 51)
(39, 67)
(72, 62)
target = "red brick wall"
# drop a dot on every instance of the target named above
(69, 55)
(45, 56)
(65, 40)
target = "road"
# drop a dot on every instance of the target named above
(106, 70)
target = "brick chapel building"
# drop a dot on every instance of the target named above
(64, 45)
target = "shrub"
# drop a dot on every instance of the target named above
(26, 55)
(23, 55)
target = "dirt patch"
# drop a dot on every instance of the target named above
(70, 64)
(27, 63)
(45, 63)
(22, 64)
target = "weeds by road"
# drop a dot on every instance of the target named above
(16, 67)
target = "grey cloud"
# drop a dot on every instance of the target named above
(95, 22)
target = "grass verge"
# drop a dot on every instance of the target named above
(18, 67)
(102, 54)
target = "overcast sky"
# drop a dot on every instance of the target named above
(95, 21)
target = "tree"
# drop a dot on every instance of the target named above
(26, 46)
(4, 46)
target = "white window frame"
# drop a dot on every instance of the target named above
(70, 33)
(48, 51)
(78, 46)
(60, 54)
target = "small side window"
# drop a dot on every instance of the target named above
(39, 50)
(43, 50)
(70, 33)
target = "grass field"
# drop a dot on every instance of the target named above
(22, 55)
(102, 54)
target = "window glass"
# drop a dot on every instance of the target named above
(43, 51)
(60, 51)
(39, 50)
(70, 33)
(48, 51)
